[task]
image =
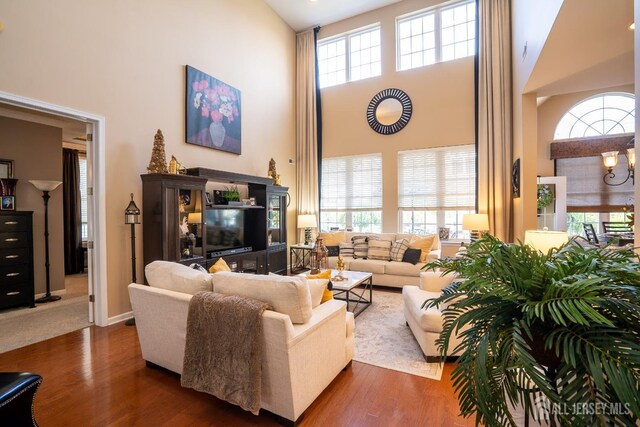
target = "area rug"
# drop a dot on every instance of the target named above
(383, 338)
(24, 326)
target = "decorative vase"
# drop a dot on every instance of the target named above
(217, 132)
(8, 186)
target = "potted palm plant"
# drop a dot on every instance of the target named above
(555, 333)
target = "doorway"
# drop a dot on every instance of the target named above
(95, 195)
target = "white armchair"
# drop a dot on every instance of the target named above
(426, 325)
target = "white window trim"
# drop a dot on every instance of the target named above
(436, 10)
(347, 46)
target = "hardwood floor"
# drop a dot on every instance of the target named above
(97, 377)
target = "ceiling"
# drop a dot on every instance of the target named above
(589, 47)
(304, 14)
(73, 131)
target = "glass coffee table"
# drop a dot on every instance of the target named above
(346, 290)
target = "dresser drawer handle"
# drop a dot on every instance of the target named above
(12, 274)
(13, 293)
(11, 239)
(12, 256)
(11, 222)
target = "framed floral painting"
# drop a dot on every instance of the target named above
(213, 113)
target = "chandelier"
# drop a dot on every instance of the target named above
(610, 160)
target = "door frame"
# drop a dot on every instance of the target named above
(97, 257)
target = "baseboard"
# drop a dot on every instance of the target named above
(120, 318)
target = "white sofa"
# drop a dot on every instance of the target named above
(300, 357)
(426, 325)
(389, 273)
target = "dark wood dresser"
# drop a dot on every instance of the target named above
(16, 259)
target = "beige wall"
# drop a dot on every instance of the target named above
(550, 113)
(125, 60)
(530, 27)
(37, 152)
(442, 96)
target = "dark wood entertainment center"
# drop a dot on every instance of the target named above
(174, 212)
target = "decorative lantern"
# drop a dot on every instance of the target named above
(319, 257)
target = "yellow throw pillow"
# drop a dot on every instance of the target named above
(425, 244)
(218, 266)
(333, 239)
(327, 295)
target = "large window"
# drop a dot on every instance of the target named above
(349, 57)
(436, 188)
(436, 35)
(589, 199)
(605, 114)
(352, 193)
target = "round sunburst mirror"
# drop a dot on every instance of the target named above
(389, 111)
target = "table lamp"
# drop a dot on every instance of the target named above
(46, 187)
(544, 240)
(477, 224)
(307, 221)
(194, 218)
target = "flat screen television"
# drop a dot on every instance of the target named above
(225, 229)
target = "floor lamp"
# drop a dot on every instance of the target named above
(132, 216)
(46, 187)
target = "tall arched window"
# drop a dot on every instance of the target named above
(603, 114)
(589, 200)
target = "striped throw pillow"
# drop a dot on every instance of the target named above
(398, 249)
(346, 249)
(379, 249)
(360, 246)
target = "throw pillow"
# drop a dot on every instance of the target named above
(398, 249)
(412, 256)
(360, 246)
(317, 288)
(327, 295)
(220, 265)
(333, 250)
(333, 239)
(346, 249)
(425, 244)
(379, 249)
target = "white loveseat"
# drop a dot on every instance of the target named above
(426, 325)
(303, 350)
(389, 273)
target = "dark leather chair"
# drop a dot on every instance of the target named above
(590, 233)
(17, 393)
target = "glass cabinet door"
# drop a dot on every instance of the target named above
(190, 224)
(276, 206)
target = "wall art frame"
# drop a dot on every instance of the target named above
(213, 113)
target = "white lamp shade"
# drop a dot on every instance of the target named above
(631, 156)
(194, 218)
(610, 159)
(307, 221)
(45, 185)
(543, 240)
(479, 222)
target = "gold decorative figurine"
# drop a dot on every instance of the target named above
(340, 267)
(158, 162)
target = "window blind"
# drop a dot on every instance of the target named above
(352, 183)
(586, 192)
(437, 178)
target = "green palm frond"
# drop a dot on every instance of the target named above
(563, 327)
